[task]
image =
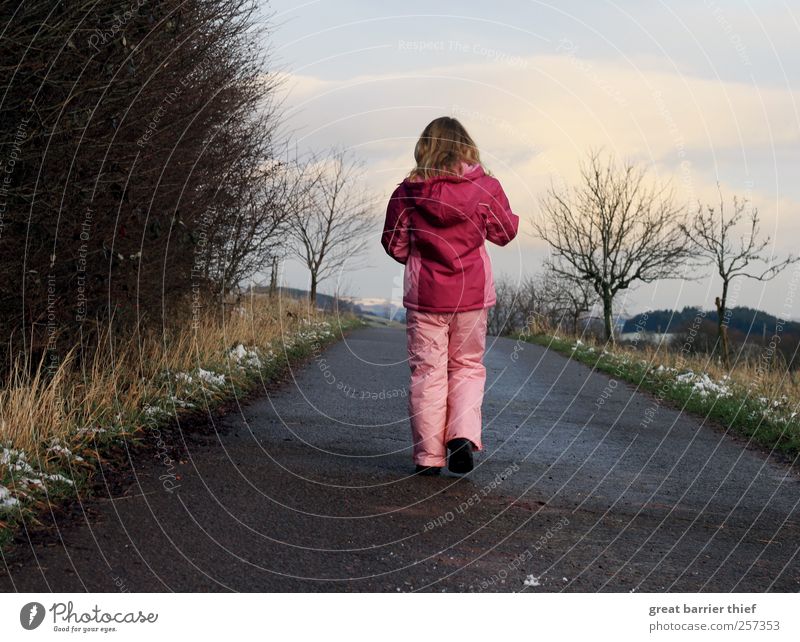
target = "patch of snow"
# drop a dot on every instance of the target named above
(532, 580)
(206, 376)
(180, 402)
(6, 500)
(39, 481)
(15, 460)
(154, 411)
(59, 478)
(184, 376)
(246, 357)
(704, 385)
(11, 454)
(63, 451)
(211, 378)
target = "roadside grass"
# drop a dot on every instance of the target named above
(758, 400)
(57, 427)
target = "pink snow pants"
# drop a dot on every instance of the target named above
(445, 354)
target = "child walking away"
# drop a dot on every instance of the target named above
(437, 221)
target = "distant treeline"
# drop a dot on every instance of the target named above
(746, 321)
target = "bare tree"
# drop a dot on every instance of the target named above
(255, 239)
(613, 230)
(567, 296)
(500, 314)
(522, 306)
(333, 224)
(713, 237)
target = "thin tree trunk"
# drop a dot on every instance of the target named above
(273, 278)
(312, 295)
(607, 316)
(722, 325)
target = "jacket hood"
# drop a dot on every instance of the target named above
(446, 199)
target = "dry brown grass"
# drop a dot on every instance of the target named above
(122, 375)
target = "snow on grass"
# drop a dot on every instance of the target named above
(248, 358)
(59, 448)
(39, 481)
(704, 385)
(315, 332)
(6, 500)
(16, 462)
(180, 403)
(201, 376)
(57, 477)
(211, 378)
(154, 411)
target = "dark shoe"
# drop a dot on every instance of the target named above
(428, 470)
(460, 459)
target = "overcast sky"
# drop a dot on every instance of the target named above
(699, 91)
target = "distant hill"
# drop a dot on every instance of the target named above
(362, 307)
(381, 308)
(746, 321)
(324, 301)
(750, 332)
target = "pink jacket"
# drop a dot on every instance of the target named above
(437, 228)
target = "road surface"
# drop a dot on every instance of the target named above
(310, 487)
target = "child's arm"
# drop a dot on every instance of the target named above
(501, 223)
(395, 237)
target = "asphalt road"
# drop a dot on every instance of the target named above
(310, 487)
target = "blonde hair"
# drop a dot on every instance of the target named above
(441, 147)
